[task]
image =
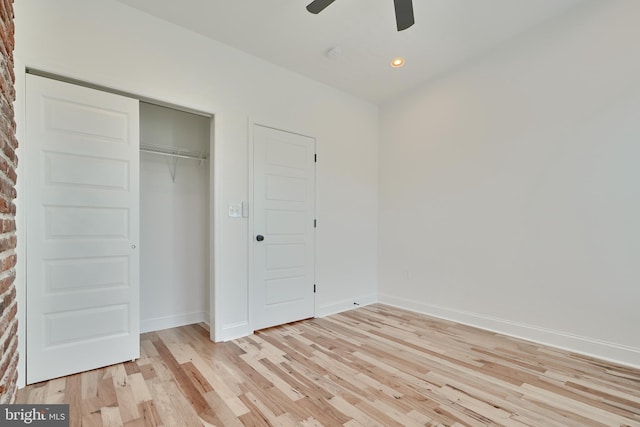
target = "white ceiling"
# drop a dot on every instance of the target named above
(446, 34)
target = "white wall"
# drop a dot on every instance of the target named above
(510, 189)
(174, 243)
(107, 43)
(174, 220)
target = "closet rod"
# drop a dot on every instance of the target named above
(172, 153)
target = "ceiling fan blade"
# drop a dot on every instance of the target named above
(318, 6)
(404, 14)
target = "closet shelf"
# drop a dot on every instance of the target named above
(172, 152)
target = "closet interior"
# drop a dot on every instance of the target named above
(174, 217)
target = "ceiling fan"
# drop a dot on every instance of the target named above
(404, 11)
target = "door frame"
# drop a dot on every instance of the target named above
(250, 225)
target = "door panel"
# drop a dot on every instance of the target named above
(82, 206)
(72, 326)
(86, 273)
(281, 222)
(284, 206)
(285, 256)
(87, 172)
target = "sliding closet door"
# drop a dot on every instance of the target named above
(80, 162)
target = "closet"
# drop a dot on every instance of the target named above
(174, 217)
(116, 202)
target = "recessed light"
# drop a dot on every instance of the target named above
(397, 62)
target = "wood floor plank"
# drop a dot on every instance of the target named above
(223, 411)
(107, 392)
(73, 396)
(110, 417)
(187, 387)
(90, 381)
(150, 415)
(55, 390)
(92, 419)
(172, 406)
(373, 366)
(260, 413)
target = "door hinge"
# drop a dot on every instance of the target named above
(315, 223)
(314, 288)
(315, 158)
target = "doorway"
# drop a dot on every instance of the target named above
(175, 216)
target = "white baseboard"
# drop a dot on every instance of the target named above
(166, 322)
(616, 353)
(344, 305)
(233, 331)
(241, 329)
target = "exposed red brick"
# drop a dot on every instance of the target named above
(8, 164)
(6, 206)
(8, 262)
(7, 226)
(8, 243)
(6, 282)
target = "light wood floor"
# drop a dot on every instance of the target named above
(374, 366)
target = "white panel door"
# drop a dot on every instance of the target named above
(283, 272)
(81, 163)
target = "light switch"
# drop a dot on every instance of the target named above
(235, 210)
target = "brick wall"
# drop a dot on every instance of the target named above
(8, 163)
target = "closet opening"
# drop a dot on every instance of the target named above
(117, 199)
(174, 217)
